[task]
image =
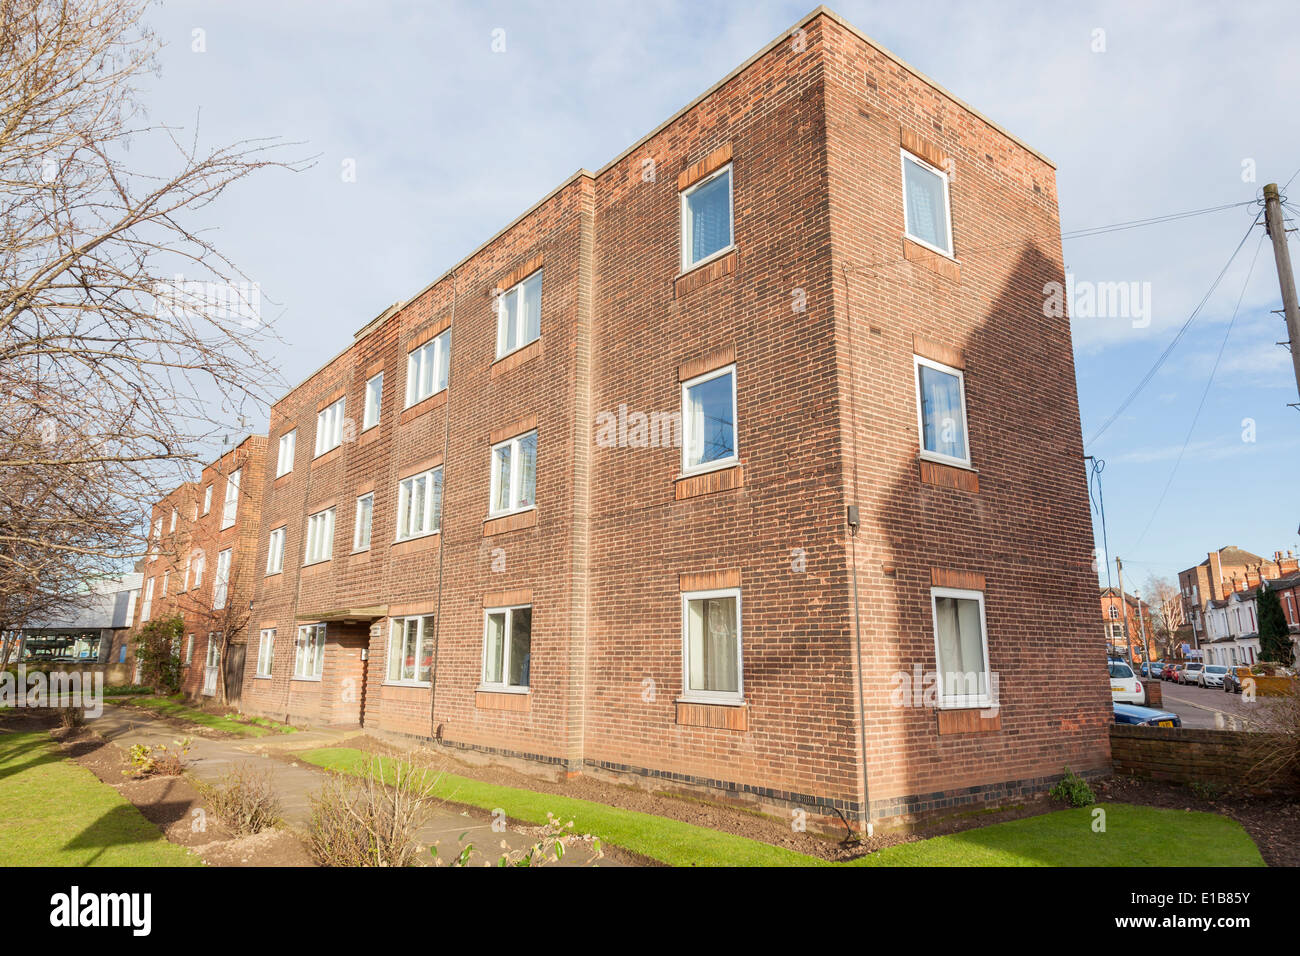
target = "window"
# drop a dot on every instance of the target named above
(361, 532)
(284, 457)
(419, 504)
(230, 506)
(189, 650)
(329, 427)
(374, 392)
(519, 314)
(147, 609)
(514, 474)
(925, 204)
(320, 536)
(275, 551)
(706, 219)
(410, 650)
(709, 420)
(941, 412)
(961, 648)
(221, 583)
(507, 647)
(207, 499)
(265, 652)
(711, 646)
(309, 652)
(173, 524)
(426, 368)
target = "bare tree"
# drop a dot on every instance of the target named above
(126, 336)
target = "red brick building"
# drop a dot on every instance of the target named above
(203, 541)
(748, 464)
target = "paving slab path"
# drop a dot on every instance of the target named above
(210, 759)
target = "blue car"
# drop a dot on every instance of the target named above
(1145, 716)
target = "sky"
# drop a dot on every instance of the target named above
(433, 125)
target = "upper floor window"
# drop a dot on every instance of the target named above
(361, 527)
(207, 499)
(426, 368)
(419, 504)
(519, 314)
(374, 393)
(221, 582)
(711, 645)
(230, 507)
(709, 420)
(941, 412)
(507, 647)
(320, 536)
(925, 204)
(961, 648)
(284, 456)
(329, 427)
(514, 474)
(706, 218)
(275, 551)
(410, 650)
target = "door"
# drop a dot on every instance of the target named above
(213, 667)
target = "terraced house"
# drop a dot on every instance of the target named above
(748, 464)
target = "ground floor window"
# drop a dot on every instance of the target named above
(410, 650)
(309, 652)
(961, 647)
(507, 647)
(711, 645)
(265, 652)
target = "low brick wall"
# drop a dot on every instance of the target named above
(1182, 754)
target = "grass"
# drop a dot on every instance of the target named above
(1134, 835)
(56, 813)
(171, 707)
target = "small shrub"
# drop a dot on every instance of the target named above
(363, 821)
(1073, 790)
(158, 760)
(244, 800)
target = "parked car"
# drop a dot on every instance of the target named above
(1171, 671)
(1124, 684)
(1153, 669)
(1233, 680)
(1212, 675)
(1191, 673)
(1145, 716)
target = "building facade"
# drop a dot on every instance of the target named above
(749, 465)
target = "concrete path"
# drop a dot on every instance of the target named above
(209, 760)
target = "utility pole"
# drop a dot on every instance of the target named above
(1276, 227)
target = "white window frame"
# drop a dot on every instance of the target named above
(265, 653)
(436, 350)
(684, 207)
(706, 696)
(313, 548)
(230, 505)
(734, 458)
(221, 579)
(516, 468)
(374, 401)
(917, 362)
(405, 488)
(517, 291)
(503, 687)
(275, 549)
(284, 452)
(357, 546)
(954, 702)
(207, 499)
(329, 426)
(399, 624)
(318, 637)
(907, 156)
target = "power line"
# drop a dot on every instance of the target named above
(1163, 357)
(1205, 393)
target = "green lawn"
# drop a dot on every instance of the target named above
(1135, 835)
(56, 813)
(172, 707)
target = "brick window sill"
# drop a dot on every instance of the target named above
(718, 716)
